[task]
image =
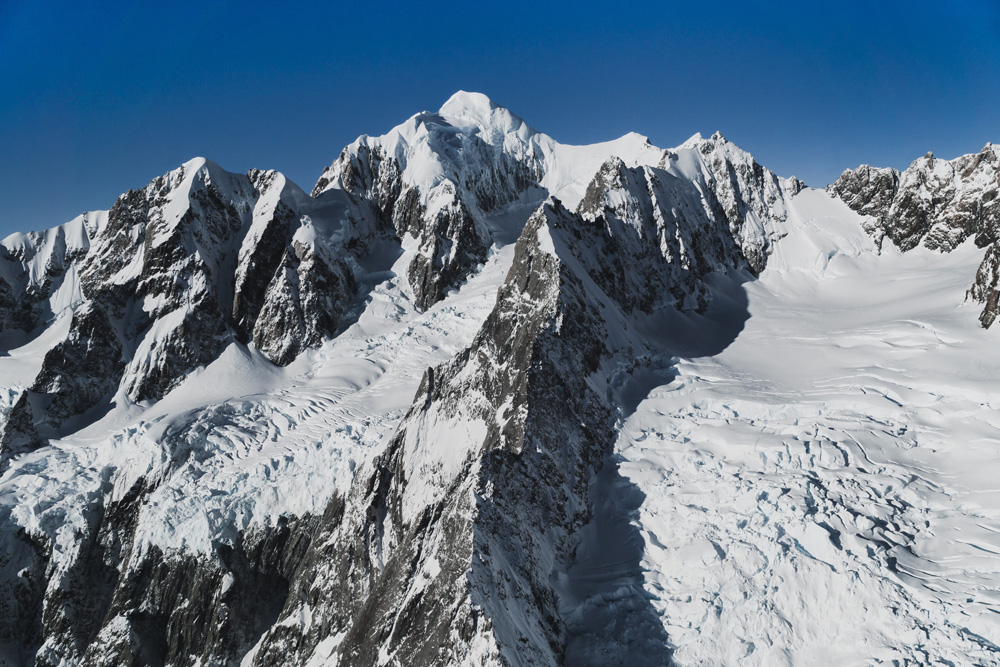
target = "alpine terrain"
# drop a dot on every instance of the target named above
(482, 398)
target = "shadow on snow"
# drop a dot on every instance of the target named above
(610, 615)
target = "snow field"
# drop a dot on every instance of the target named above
(824, 490)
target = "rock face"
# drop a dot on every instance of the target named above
(869, 191)
(38, 272)
(200, 258)
(19, 433)
(457, 481)
(937, 204)
(674, 228)
(436, 178)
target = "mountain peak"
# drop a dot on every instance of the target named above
(635, 137)
(694, 139)
(464, 103)
(163, 477)
(195, 164)
(471, 110)
(199, 165)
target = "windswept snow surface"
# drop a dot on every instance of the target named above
(824, 491)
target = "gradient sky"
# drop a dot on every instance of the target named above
(98, 98)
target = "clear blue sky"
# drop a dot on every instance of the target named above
(97, 98)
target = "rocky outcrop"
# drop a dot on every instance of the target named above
(483, 464)
(937, 204)
(38, 273)
(455, 544)
(83, 368)
(175, 609)
(751, 197)
(260, 255)
(451, 246)
(8, 306)
(870, 192)
(18, 433)
(304, 303)
(112, 603)
(201, 258)
(984, 289)
(674, 230)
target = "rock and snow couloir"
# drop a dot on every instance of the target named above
(485, 398)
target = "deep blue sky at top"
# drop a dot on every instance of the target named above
(96, 98)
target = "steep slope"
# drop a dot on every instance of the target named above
(459, 545)
(446, 179)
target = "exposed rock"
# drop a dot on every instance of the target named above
(403, 551)
(175, 272)
(175, 609)
(257, 266)
(8, 305)
(23, 565)
(82, 369)
(869, 191)
(18, 433)
(463, 534)
(472, 159)
(672, 231)
(451, 247)
(984, 290)
(113, 605)
(304, 303)
(38, 274)
(446, 550)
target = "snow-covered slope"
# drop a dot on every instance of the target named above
(485, 398)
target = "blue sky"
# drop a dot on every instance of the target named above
(98, 98)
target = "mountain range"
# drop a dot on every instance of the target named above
(483, 398)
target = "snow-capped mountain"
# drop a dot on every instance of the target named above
(485, 398)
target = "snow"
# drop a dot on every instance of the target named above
(20, 365)
(36, 258)
(571, 168)
(825, 471)
(819, 229)
(480, 113)
(434, 454)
